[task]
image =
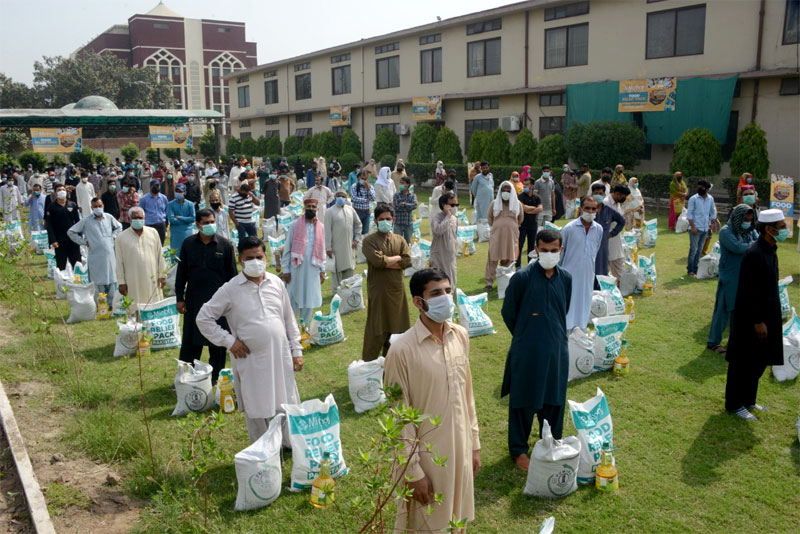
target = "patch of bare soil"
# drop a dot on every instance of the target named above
(14, 518)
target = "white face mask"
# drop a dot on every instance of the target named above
(61, 194)
(440, 309)
(254, 268)
(588, 217)
(505, 195)
(548, 260)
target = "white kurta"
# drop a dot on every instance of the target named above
(342, 227)
(99, 234)
(140, 264)
(84, 193)
(615, 251)
(578, 258)
(261, 317)
(305, 289)
(385, 193)
(324, 196)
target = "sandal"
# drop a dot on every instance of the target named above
(719, 349)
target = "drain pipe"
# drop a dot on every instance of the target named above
(754, 111)
(525, 116)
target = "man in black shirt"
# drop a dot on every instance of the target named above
(206, 263)
(109, 198)
(531, 205)
(59, 217)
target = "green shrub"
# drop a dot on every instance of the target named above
(388, 160)
(58, 160)
(447, 148)
(233, 146)
(351, 144)
(386, 142)
(477, 142)
(37, 159)
(261, 146)
(190, 151)
(291, 145)
(151, 155)
(207, 144)
(328, 145)
(310, 143)
(130, 152)
(551, 150)
(423, 139)
(604, 144)
(696, 153)
(85, 158)
(8, 159)
(497, 148)
(750, 154)
(348, 161)
(100, 157)
(274, 145)
(172, 153)
(249, 148)
(524, 150)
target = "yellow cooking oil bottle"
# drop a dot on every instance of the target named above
(605, 478)
(622, 365)
(143, 346)
(227, 401)
(464, 248)
(322, 494)
(630, 310)
(305, 337)
(102, 306)
(647, 289)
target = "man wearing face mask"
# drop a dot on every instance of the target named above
(322, 195)
(605, 180)
(444, 240)
(581, 241)
(207, 261)
(35, 205)
(387, 256)
(84, 193)
(545, 188)
(109, 198)
(531, 206)
(342, 228)
(404, 202)
(181, 217)
(430, 364)
(127, 198)
(609, 216)
(264, 339)
(168, 186)
(756, 338)
(303, 262)
(141, 270)
(59, 218)
(97, 231)
(536, 304)
(701, 213)
(193, 192)
(155, 209)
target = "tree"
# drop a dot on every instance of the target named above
(58, 160)
(15, 94)
(13, 140)
(190, 151)
(261, 146)
(291, 146)
(249, 147)
(328, 144)
(130, 152)
(477, 142)
(88, 157)
(604, 144)
(36, 159)
(447, 147)
(750, 154)
(311, 143)
(348, 160)
(386, 142)
(274, 145)
(524, 150)
(551, 151)
(697, 153)
(233, 147)
(207, 144)
(497, 148)
(351, 144)
(423, 139)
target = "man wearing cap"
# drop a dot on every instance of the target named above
(236, 170)
(303, 261)
(323, 195)
(155, 209)
(140, 264)
(127, 198)
(181, 215)
(756, 338)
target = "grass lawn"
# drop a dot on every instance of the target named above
(684, 464)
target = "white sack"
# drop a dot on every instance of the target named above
(193, 388)
(81, 303)
(554, 465)
(581, 354)
(258, 469)
(350, 293)
(365, 380)
(327, 329)
(592, 419)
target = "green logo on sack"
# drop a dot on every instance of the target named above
(584, 364)
(561, 482)
(371, 391)
(196, 399)
(794, 360)
(265, 485)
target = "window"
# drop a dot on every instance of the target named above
(676, 32)
(730, 136)
(271, 92)
(428, 39)
(552, 99)
(737, 89)
(242, 79)
(339, 130)
(302, 87)
(567, 46)
(272, 133)
(551, 125)
(472, 126)
(245, 135)
(483, 57)
(340, 58)
(388, 72)
(302, 117)
(340, 80)
(790, 86)
(272, 120)
(382, 111)
(394, 126)
(244, 124)
(473, 104)
(389, 47)
(567, 10)
(176, 71)
(431, 65)
(300, 133)
(218, 108)
(163, 71)
(484, 26)
(270, 73)
(791, 23)
(224, 63)
(302, 66)
(161, 25)
(223, 30)
(244, 96)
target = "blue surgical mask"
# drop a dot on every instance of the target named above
(749, 199)
(125, 189)
(746, 225)
(209, 229)
(598, 198)
(191, 178)
(340, 201)
(402, 187)
(179, 196)
(97, 212)
(385, 226)
(526, 189)
(37, 193)
(545, 175)
(440, 309)
(782, 236)
(137, 224)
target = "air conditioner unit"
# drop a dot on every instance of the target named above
(510, 124)
(403, 129)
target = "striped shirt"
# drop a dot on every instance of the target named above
(241, 207)
(360, 196)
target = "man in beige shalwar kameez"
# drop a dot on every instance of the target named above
(141, 270)
(444, 229)
(342, 229)
(430, 364)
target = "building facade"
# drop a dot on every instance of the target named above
(513, 67)
(193, 54)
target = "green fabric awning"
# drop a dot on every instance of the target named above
(594, 102)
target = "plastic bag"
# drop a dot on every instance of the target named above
(615, 304)
(647, 267)
(161, 321)
(473, 217)
(548, 525)
(350, 293)
(50, 256)
(82, 306)
(425, 247)
(418, 260)
(592, 419)
(116, 305)
(630, 239)
(360, 258)
(327, 329)
(608, 340)
(682, 224)
(258, 469)
(707, 267)
(628, 279)
(169, 287)
(581, 354)
(484, 230)
(783, 293)
(466, 236)
(504, 275)
(61, 279)
(650, 235)
(313, 431)
(415, 227)
(127, 337)
(424, 210)
(365, 380)
(39, 241)
(193, 388)
(791, 351)
(275, 243)
(462, 218)
(296, 198)
(471, 315)
(554, 465)
(269, 229)
(550, 226)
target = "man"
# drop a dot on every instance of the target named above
(352, 178)
(264, 339)
(701, 213)
(84, 193)
(155, 209)
(605, 181)
(387, 255)
(342, 228)
(756, 338)
(569, 184)
(141, 271)
(545, 188)
(404, 202)
(94, 179)
(193, 192)
(448, 185)
(109, 198)
(311, 175)
(35, 205)
(531, 208)
(237, 170)
(127, 198)
(241, 210)
(536, 304)
(36, 178)
(270, 193)
(444, 241)
(430, 365)
(616, 254)
(181, 217)
(482, 189)
(146, 174)
(207, 262)
(303, 262)
(59, 218)
(10, 200)
(606, 215)
(335, 167)
(581, 241)
(98, 230)
(361, 195)
(287, 187)
(323, 195)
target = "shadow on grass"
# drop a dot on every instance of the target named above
(707, 364)
(722, 438)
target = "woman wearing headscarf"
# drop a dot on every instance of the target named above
(371, 170)
(399, 172)
(750, 197)
(634, 206)
(322, 168)
(515, 181)
(746, 179)
(384, 186)
(505, 216)
(618, 178)
(525, 174)
(440, 173)
(734, 238)
(677, 198)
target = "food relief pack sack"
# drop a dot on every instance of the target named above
(592, 419)
(650, 235)
(791, 351)
(50, 256)
(81, 303)
(327, 329)
(127, 337)
(313, 431)
(471, 315)
(615, 304)
(161, 321)
(365, 381)
(581, 354)
(783, 293)
(350, 291)
(258, 469)
(193, 388)
(608, 340)
(647, 267)
(554, 465)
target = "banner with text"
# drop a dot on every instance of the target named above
(57, 139)
(426, 108)
(171, 136)
(340, 116)
(649, 94)
(781, 196)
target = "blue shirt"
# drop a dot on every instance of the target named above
(36, 214)
(155, 208)
(701, 210)
(311, 177)
(352, 179)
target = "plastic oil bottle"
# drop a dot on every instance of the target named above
(647, 289)
(605, 479)
(622, 365)
(143, 346)
(305, 338)
(102, 306)
(630, 309)
(322, 494)
(227, 402)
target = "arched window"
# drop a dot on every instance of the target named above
(219, 98)
(169, 67)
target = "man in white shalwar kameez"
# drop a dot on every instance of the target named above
(303, 261)
(264, 339)
(342, 228)
(84, 193)
(141, 270)
(582, 239)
